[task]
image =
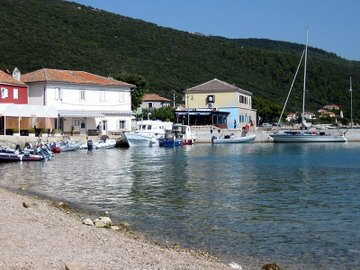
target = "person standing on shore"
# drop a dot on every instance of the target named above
(99, 127)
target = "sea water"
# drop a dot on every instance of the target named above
(294, 204)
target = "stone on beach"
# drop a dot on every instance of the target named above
(88, 221)
(24, 204)
(234, 265)
(74, 266)
(271, 266)
(102, 222)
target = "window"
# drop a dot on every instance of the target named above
(244, 99)
(210, 99)
(76, 122)
(82, 94)
(4, 93)
(16, 93)
(149, 127)
(150, 105)
(122, 124)
(102, 95)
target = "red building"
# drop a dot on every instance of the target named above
(12, 90)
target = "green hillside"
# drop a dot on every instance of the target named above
(65, 35)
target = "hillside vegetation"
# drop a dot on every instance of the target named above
(65, 35)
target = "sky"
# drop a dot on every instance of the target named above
(334, 25)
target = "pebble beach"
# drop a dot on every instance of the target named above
(38, 234)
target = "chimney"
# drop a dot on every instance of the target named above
(16, 74)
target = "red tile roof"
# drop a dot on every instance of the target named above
(155, 97)
(8, 79)
(70, 76)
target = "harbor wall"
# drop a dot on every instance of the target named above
(205, 133)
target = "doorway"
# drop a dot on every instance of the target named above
(104, 127)
(83, 126)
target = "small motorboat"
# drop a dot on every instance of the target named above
(67, 145)
(109, 143)
(172, 138)
(101, 144)
(170, 142)
(9, 157)
(28, 154)
(232, 139)
(55, 147)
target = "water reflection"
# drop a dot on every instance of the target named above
(281, 201)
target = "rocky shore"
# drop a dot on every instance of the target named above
(40, 234)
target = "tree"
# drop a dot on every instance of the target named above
(137, 93)
(163, 114)
(267, 110)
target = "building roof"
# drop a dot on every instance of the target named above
(155, 97)
(331, 106)
(216, 85)
(70, 76)
(8, 79)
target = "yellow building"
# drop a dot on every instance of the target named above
(227, 105)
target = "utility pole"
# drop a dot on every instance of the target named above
(187, 103)
(174, 98)
(351, 106)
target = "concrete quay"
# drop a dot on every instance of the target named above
(204, 134)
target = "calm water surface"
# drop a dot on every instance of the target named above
(297, 204)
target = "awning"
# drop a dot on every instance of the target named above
(9, 110)
(117, 113)
(202, 113)
(26, 110)
(74, 113)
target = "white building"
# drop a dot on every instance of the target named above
(83, 100)
(154, 101)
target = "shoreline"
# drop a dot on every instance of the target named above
(49, 235)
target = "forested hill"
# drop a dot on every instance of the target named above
(66, 35)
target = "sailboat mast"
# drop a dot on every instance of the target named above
(351, 104)
(304, 87)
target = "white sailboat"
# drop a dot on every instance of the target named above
(304, 135)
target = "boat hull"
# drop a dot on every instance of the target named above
(307, 138)
(8, 157)
(70, 147)
(235, 140)
(170, 143)
(135, 139)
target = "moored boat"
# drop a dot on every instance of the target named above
(147, 132)
(10, 157)
(303, 136)
(66, 146)
(101, 144)
(170, 142)
(232, 139)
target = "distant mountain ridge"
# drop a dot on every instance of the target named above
(66, 35)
